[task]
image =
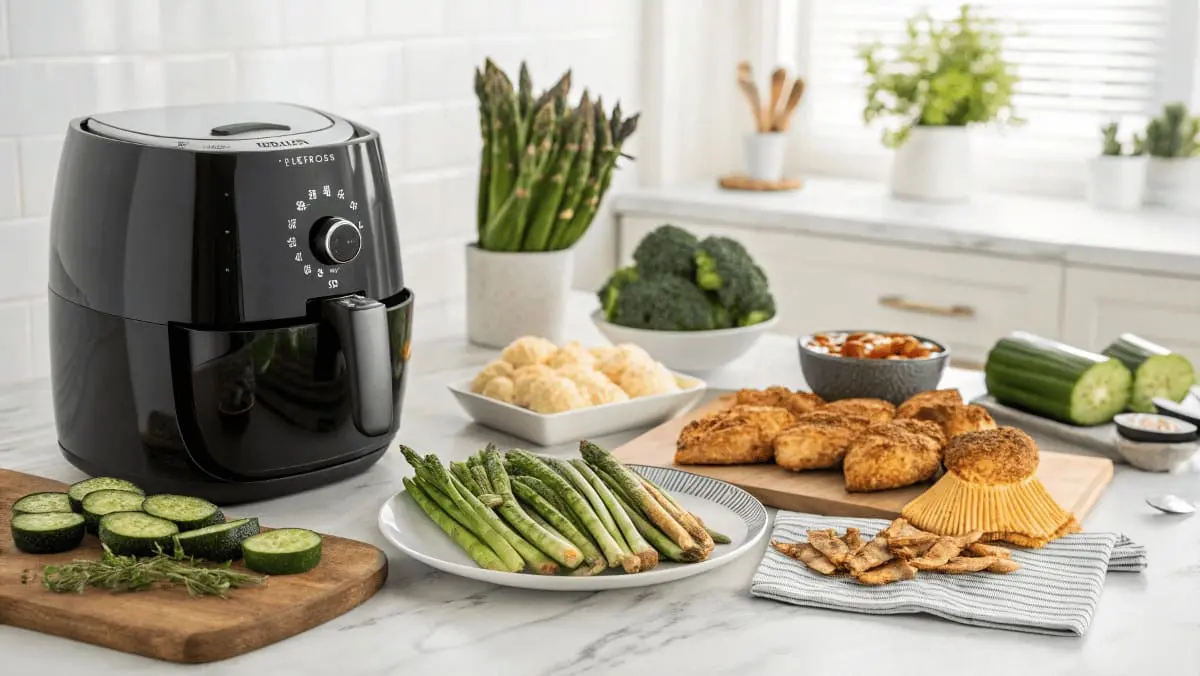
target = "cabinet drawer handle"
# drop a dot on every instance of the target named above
(902, 303)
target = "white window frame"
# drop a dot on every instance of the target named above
(784, 23)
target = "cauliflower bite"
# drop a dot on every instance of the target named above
(554, 394)
(500, 388)
(492, 370)
(594, 385)
(528, 350)
(646, 379)
(602, 352)
(571, 354)
(624, 356)
(523, 379)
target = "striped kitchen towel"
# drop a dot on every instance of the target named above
(1055, 591)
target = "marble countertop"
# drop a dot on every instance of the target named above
(1148, 240)
(427, 622)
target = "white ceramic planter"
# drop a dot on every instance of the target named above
(934, 165)
(1117, 182)
(1174, 183)
(510, 295)
(764, 155)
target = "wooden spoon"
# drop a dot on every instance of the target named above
(750, 91)
(783, 119)
(778, 80)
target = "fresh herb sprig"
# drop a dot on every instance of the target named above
(128, 573)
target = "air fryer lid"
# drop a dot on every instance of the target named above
(224, 127)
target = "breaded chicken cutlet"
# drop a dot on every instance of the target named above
(897, 454)
(798, 403)
(817, 440)
(876, 411)
(946, 408)
(734, 436)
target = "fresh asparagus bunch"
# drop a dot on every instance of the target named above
(515, 511)
(544, 165)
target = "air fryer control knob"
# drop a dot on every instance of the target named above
(336, 240)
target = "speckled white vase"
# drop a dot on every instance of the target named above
(1174, 182)
(510, 295)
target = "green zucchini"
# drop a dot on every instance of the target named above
(282, 552)
(41, 503)
(78, 491)
(47, 532)
(187, 512)
(98, 503)
(1055, 380)
(1157, 372)
(218, 542)
(136, 533)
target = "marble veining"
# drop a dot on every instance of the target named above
(428, 622)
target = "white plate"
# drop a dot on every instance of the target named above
(723, 507)
(595, 421)
(690, 351)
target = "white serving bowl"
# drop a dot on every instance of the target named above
(688, 351)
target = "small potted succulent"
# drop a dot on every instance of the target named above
(1117, 178)
(546, 165)
(1173, 177)
(945, 77)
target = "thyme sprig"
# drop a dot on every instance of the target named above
(128, 574)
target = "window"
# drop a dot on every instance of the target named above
(1081, 62)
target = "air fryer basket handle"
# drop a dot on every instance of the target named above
(361, 326)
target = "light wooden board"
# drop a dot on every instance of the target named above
(1075, 481)
(168, 624)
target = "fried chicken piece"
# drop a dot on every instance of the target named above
(966, 564)
(896, 571)
(853, 539)
(735, 436)
(980, 549)
(947, 547)
(830, 545)
(899, 453)
(957, 419)
(899, 527)
(915, 403)
(817, 440)
(876, 411)
(913, 540)
(913, 551)
(1002, 565)
(806, 553)
(874, 553)
(798, 403)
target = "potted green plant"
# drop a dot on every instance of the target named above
(1173, 177)
(1117, 178)
(944, 77)
(545, 166)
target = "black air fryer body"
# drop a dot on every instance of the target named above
(228, 316)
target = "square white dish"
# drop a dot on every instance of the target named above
(595, 421)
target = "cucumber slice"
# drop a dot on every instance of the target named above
(136, 533)
(47, 532)
(1157, 372)
(78, 491)
(106, 501)
(1056, 380)
(41, 503)
(187, 512)
(218, 542)
(282, 552)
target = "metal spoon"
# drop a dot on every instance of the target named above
(1171, 504)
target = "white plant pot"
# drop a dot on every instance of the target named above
(1174, 183)
(510, 295)
(1117, 182)
(764, 155)
(934, 165)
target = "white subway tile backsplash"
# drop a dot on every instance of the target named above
(39, 165)
(438, 70)
(472, 17)
(307, 22)
(3, 28)
(39, 334)
(15, 342)
(441, 137)
(435, 206)
(551, 15)
(395, 18)
(32, 107)
(191, 79)
(368, 74)
(71, 27)
(296, 75)
(208, 25)
(24, 258)
(436, 271)
(10, 180)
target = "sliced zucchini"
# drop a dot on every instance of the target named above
(78, 491)
(1157, 372)
(47, 532)
(1056, 380)
(40, 503)
(187, 512)
(282, 552)
(136, 533)
(98, 503)
(218, 542)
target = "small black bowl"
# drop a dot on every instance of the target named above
(1128, 427)
(1187, 410)
(832, 377)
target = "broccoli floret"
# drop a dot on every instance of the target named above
(724, 267)
(663, 304)
(667, 250)
(612, 288)
(720, 314)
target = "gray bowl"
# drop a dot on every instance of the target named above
(893, 380)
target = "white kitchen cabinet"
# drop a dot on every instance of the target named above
(1101, 304)
(823, 283)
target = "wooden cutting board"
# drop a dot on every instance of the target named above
(168, 624)
(1075, 481)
